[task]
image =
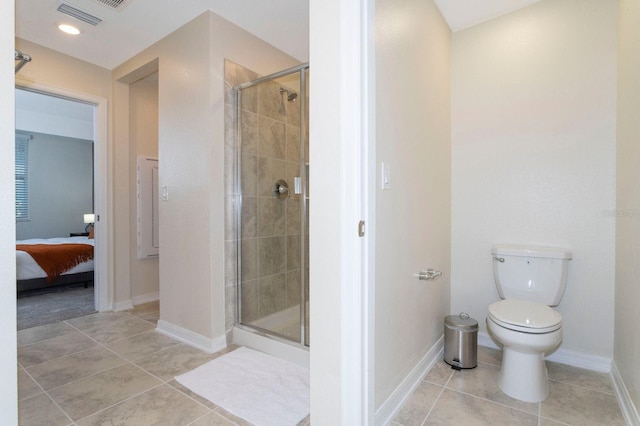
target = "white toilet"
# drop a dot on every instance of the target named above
(529, 279)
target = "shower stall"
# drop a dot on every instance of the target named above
(272, 205)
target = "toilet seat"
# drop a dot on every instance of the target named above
(525, 316)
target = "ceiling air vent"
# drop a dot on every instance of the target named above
(115, 4)
(79, 14)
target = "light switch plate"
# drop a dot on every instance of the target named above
(385, 177)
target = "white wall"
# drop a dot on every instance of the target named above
(60, 186)
(143, 127)
(191, 153)
(413, 217)
(533, 156)
(8, 360)
(53, 116)
(627, 319)
(52, 68)
(326, 247)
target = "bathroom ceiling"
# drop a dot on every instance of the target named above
(461, 14)
(137, 24)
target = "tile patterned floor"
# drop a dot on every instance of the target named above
(111, 368)
(472, 397)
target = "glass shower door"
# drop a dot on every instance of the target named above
(272, 231)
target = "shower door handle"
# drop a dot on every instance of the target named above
(297, 187)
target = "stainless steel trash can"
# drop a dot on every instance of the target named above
(461, 341)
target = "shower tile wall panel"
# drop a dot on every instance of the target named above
(277, 220)
(270, 243)
(249, 136)
(234, 75)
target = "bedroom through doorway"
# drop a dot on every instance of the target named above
(55, 208)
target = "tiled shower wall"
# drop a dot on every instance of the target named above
(270, 130)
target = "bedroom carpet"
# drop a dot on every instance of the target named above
(39, 307)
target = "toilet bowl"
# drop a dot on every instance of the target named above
(529, 281)
(526, 330)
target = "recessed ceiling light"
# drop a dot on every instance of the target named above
(69, 29)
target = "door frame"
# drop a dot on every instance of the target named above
(101, 279)
(342, 147)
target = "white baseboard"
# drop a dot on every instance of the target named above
(136, 300)
(105, 307)
(145, 298)
(562, 356)
(122, 306)
(396, 400)
(581, 360)
(192, 339)
(629, 410)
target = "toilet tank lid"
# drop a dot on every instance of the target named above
(527, 251)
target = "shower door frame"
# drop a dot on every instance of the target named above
(302, 69)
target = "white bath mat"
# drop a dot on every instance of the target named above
(259, 388)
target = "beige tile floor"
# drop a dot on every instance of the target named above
(113, 368)
(472, 397)
(110, 368)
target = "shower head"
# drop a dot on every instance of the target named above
(291, 96)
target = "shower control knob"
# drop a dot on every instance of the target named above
(280, 189)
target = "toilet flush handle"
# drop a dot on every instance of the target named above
(499, 259)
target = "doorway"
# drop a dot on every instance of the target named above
(54, 208)
(66, 191)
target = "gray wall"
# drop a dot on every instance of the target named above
(60, 186)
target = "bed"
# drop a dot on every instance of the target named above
(75, 266)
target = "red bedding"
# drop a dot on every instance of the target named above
(59, 258)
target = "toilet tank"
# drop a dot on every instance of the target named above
(537, 274)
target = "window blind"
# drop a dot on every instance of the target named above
(22, 177)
